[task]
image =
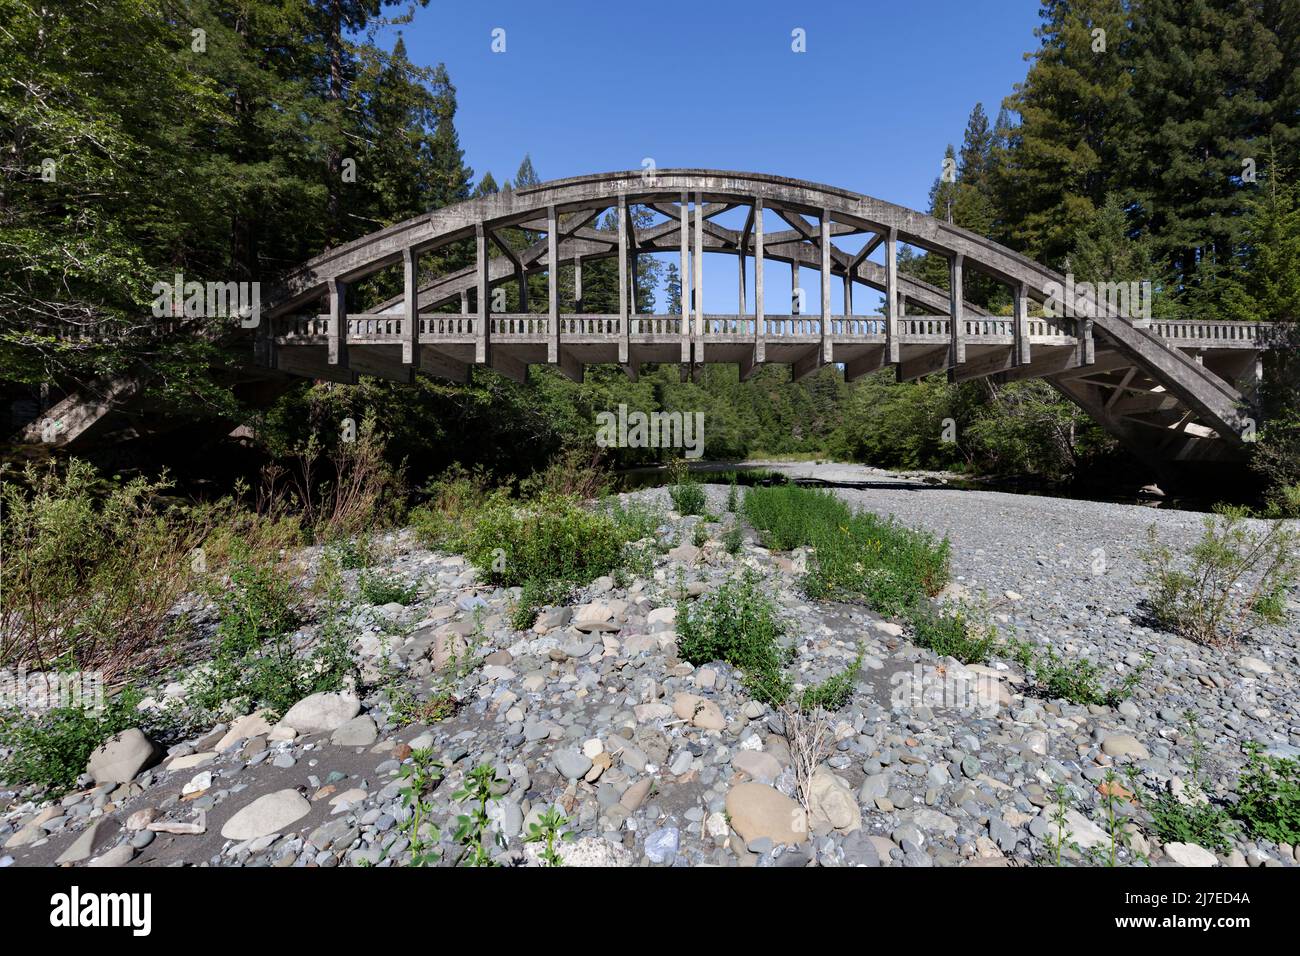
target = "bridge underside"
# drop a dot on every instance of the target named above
(1170, 391)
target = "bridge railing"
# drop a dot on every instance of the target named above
(1189, 332)
(649, 324)
(791, 326)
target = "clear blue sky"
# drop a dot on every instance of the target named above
(584, 87)
(592, 87)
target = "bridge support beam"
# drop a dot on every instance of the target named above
(929, 363)
(893, 347)
(623, 292)
(957, 322)
(683, 221)
(338, 322)
(410, 308)
(481, 284)
(1020, 324)
(697, 279)
(552, 286)
(759, 321)
(825, 222)
(867, 363)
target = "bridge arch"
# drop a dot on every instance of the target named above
(1169, 390)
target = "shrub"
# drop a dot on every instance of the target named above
(733, 539)
(1078, 681)
(551, 539)
(51, 750)
(256, 663)
(834, 692)
(576, 471)
(688, 497)
(1269, 796)
(91, 570)
(1233, 578)
(1190, 817)
(739, 624)
(952, 632)
(455, 497)
(636, 520)
(379, 589)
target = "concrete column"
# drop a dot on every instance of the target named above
(1020, 324)
(338, 322)
(848, 294)
(577, 283)
(481, 284)
(464, 303)
(698, 277)
(553, 285)
(683, 220)
(826, 285)
(794, 289)
(740, 299)
(759, 338)
(410, 309)
(893, 348)
(957, 327)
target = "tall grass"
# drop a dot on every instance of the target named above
(856, 555)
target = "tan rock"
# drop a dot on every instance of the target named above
(758, 811)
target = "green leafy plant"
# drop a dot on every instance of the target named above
(834, 692)
(421, 776)
(380, 589)
(1268, 796)
(739, 624)
(952, 632)
(51, 749)
(733, 497)
(733, 538)
(472, 826)
(855, 556)
(1077, 680)
(1189, 817)
(549, 830)
(1235, 577)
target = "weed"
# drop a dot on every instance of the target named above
(381, 589)
(472, 827)
(549, 829)
(1268, 796)
(421, 775)
(952, 632)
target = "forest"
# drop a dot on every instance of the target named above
(1152, 140)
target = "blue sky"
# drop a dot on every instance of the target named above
(593, 87)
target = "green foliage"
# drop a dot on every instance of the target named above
(91, 569)
(534, 595)
(1078, 681)
(952, 632)
(855, 555)
(549, 829)
(688, 497)
(51, 750)
(256, 663)
(733, 497)
(553, 539)
(1268, 796)
(835, 692)
(733, 538)
(739, 624)
(421, 776)
(1189, 817)
(472, 826)
(380, 589)
(1234, 577)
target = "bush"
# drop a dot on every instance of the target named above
(834, 692)
(576, 471)
(1234, 578)
(688, 497)
(1268, 795)
(855, 555)
(51, 750)
(256, 663)
(1078, 681)
(739, 624)
(455, 498)
(551, 539)
(91, 570)
(952, 632)
(380, 589)
(636, 520)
